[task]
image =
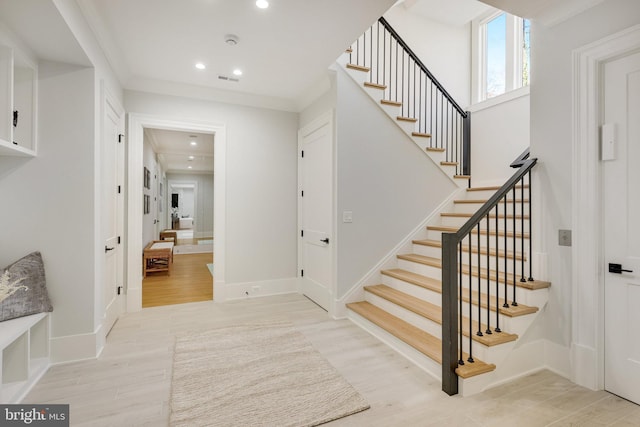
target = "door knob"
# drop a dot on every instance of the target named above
(325, 240)
(107, 249)
(617, 269)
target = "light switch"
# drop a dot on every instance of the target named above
(608, 143)
(347, 216)
(564, 237)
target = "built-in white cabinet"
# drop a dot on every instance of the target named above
(18, 91)
(24, 355)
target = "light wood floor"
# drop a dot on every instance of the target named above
(190, 281)
(129, 385)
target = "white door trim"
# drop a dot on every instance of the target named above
(135, 134)
(326, 118)
(587, 346)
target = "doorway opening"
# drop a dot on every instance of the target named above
(198, 225)
(179, 212)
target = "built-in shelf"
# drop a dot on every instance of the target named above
(24, 355)
(18, 91)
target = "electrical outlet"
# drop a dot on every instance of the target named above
(564, 237)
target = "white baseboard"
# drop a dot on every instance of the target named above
(233, 291)
(73, 348)
(203, 235)
(389, 260)
(557, 358)
(134, 299)
(584, 366)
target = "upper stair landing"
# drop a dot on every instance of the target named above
(397, 80)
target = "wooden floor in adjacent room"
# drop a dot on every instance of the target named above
(190, 281)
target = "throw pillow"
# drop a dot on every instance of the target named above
(23, 289)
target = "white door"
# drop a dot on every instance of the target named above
(112, 212)
(315, 143)
(621, 188)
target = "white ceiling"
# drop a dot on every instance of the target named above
(176, 154)
(451, 12)
(283, 50)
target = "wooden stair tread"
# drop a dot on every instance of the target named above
(358, 67)
(491, 215)
(434, 313)
(425, 343)
(349, 50)
(406, 119)
(375, 85)
(437, 263)
(483, 201)
(422, 341)
(462, 176)
(474, 249)
(449, 163)
(391, 102)
(493, 188)
(414, 279)
(421, 134)
(436, 286)
(436, 149)
(483, 232)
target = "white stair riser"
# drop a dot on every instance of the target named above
(408, 127)
(486, 354)
(437, 156)
(435, 252)
(424, 362)
(437, 235)
(449, 169)
(450, 221)
(523, 295)
(375, 93)
(462, 182)
(413, 290)
(473, 207)
(408, 316)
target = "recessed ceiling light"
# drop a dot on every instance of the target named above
(237, 72)
(191, 158)
(200, 66)
(262, 4)
(189, 167)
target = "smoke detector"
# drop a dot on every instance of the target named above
(231, 39)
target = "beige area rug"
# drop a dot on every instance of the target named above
(192, 249)
(256, 375)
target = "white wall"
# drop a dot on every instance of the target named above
(444, 49)
(52, 197)
(499, 134)
(551, 142)
(383, 177)
(203, 226)
(150, 161)
(261, 205)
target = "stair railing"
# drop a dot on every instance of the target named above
(466, 280)
(407, 81)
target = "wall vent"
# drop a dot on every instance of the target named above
(231, 79)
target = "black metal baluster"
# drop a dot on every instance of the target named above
(479, 332)
(461, 358)
(514, 302)
(396, 97)
(522, 279)
(488, 330)
(470, 359)
(497, 256)
(530, 233)
(505, 304)
(378, 53)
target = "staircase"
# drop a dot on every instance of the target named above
(488, 298)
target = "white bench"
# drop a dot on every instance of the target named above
(24, 355)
